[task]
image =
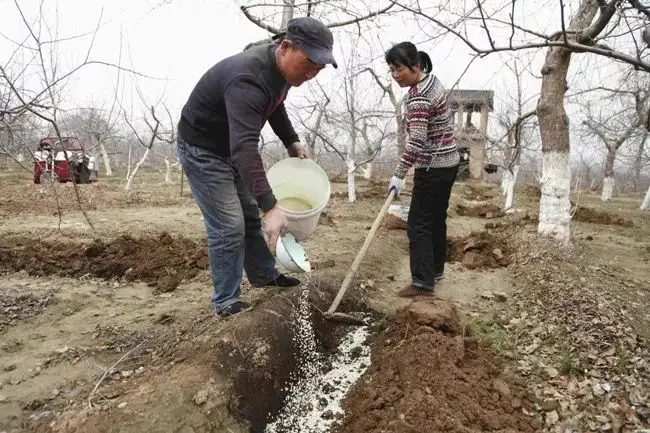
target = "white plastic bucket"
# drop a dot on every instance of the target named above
(298, 181)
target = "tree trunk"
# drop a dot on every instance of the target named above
(107, 161)
(128, 163)
(137, 166)
(168, 163)
(638, 162)
(401, 129)
(352, 147)
(646, 201)
(608, 183)
(554, 206)
(287, 13)
(352, 194)
(168, 171)
(367, 171)
(510, 191)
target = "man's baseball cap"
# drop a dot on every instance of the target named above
(314, 38)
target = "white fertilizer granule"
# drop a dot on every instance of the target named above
(314, 402)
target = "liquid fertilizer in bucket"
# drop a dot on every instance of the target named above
(302, 189)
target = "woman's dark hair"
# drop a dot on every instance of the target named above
(406, 54)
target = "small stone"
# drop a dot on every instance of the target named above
(552, 418)
(327, 415)
(10, 367)
(501, 296)
(15, 381)
(322, 402)
(597, 389)
(140, 370)
(201, 397)
(471, 260)
(487, 295)
(516, 403)
(606, 386)
(549, 405)
(127, 373)
(3, 398)
(498, 253)
(122, 405)
(552, 372)
(54, 394)
(501, 387)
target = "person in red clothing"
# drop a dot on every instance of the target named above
(432, 152)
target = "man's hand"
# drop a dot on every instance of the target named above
(397, 184)
(296, 150)
(275, 224)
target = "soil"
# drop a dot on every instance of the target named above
(476, 192)
(589, 215)
(163, 261)
(74, 311)
(485, 210)
(423, 380)
(480, 250)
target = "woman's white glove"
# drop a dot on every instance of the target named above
(397, 184)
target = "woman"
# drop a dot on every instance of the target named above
(433, 154)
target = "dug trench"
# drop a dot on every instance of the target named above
(282, 366)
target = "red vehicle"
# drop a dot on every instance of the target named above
(51, 164)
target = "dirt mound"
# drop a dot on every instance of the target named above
(422, 380)
(588, 215)
(479, 192)
(393, 222)
(162, 261)
(479, 250)
(488, 211)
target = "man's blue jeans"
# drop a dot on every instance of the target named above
(232, 221)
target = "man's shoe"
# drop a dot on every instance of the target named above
(281, 281)
(439, 277)
(234, 308)
(411, 291)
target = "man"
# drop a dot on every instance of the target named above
(218, 134)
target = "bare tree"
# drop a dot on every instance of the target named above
(398, 106)
(513, 119)
(593, 28)
(167, 135)
(153, 125)
(96, 130)
(333, 12)
(613, 136)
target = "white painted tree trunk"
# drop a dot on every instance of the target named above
(352, 193)
(107, 161)
(505, 181)
(646, 201)
(128, 163)
(367, 171)
(137, 166)
(510, 188)
(608, 189)
(168, 172)
(554, 205)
